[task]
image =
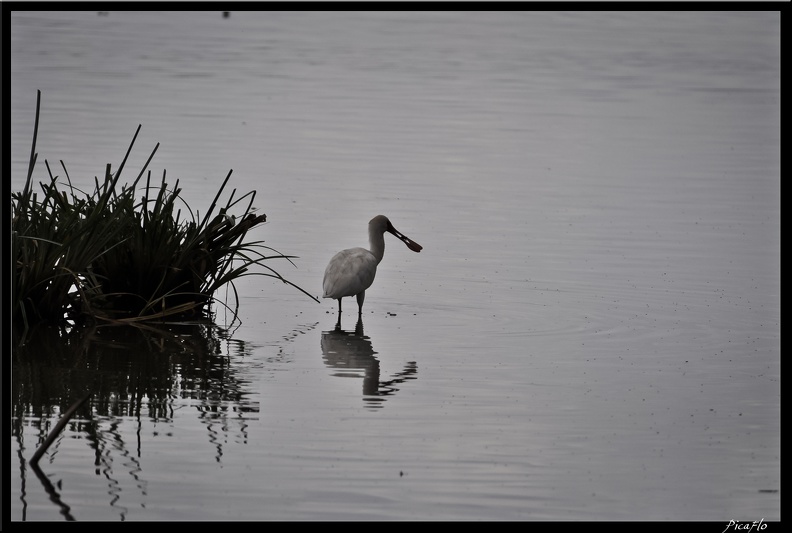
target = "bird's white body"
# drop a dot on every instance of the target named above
(350, 272)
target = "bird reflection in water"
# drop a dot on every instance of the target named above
(351, 355)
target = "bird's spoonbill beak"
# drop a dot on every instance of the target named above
(411, 244)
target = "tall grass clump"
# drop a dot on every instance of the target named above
(111, 256)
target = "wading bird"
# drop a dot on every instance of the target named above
(350, 272)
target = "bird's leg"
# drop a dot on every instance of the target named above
(360, 297)
(338, 323)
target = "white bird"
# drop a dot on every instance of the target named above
(350, 272)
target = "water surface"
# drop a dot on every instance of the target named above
(591, 331)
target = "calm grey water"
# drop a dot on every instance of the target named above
(591, 332)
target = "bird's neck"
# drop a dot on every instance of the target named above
(377, 242)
